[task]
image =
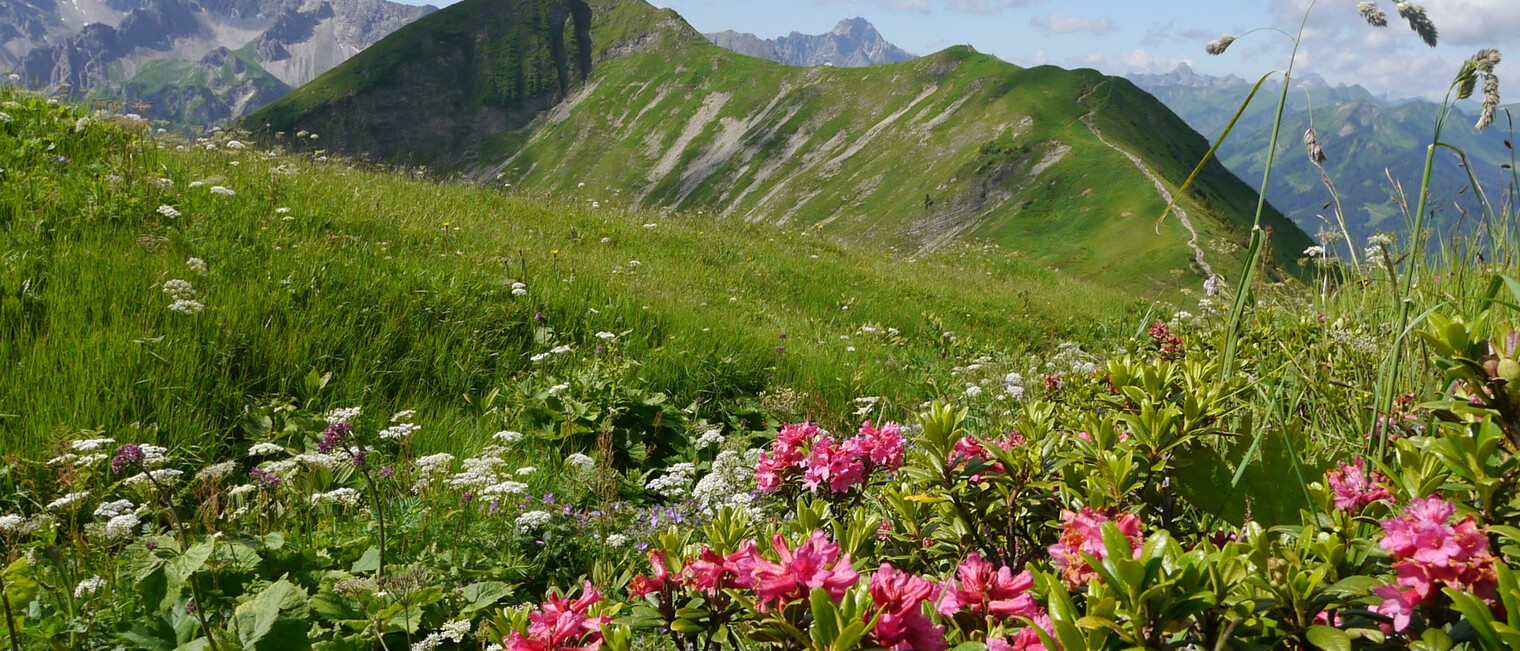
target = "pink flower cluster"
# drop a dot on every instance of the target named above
(981, 591)
(1355, 488)
(971, 449)
(1082, 533)
(816, 563)
(1429, 553)
(803, 454)
(562, 625)
(900, 598)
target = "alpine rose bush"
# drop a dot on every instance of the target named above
(1429, 553)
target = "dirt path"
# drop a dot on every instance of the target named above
(1166, 195)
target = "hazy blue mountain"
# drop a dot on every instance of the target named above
(1366, 138)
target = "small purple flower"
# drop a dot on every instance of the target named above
(359, 457)
(150, 545)
(265, 478)
(468, 495)
(127, 456)
(783, 336)
(333, 436)
(386, 472)
(540, 318)
(601, 349)
(190, 607)
(780, 349)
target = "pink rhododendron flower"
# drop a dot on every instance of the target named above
(983, 591)
(642, 585)
(562, 625)
(970, 450)
(816, 563)
(1430, 553)
(902, 625)
(1027, 639)
(803, 453)
(1082, 533)
(883, 447)
(836, 466)
(1354, 487)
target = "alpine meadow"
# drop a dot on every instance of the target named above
(556, 325)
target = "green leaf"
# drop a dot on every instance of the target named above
(20, 588)
(1329, 638)
(483, 595)
(369, 562)
(273, 619)
(192, 560)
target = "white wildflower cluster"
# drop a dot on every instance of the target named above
(89, 587)
(1069, 358)
(526, 470)
(121, 527)
(222, 191)
(606, 336)
(284, 469)
(556, 389)
(503, 489)
(164, 477)
(168, 211)
(1013, 386)
(731, 482)
(479, 471)
(265, 449)
(340, 496)
(673, 483)
(67, 500)
(508, 436)
(5, 117)
(242, 489)
(580, 462)
(234, 144)
(81, 124)
(12, 524)
(454, 631)
(617, 540)
(867, 405)
(531, 521)
(216, 472)
(77, 461)
(154, 455)
(184, 296)
(431, 468)
(343, 415)
(519, 289)
(162, 184)
(557, 350)
(109, 510)
(711, 437)
(196, 265)
(399, 431)
(90, 445)
(404, 416)
(197, 184)
(318, 460)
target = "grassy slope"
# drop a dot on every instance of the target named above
(669, 120)
(400, 288)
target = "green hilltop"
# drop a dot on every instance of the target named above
(617, 102)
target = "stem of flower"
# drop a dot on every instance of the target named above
(374, 498)
(184, 545)
(10, 620)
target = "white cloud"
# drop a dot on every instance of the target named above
(1058, 23)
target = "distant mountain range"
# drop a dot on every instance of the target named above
(854, 43)
(1365, 137)
(193, 62)
(618, 102)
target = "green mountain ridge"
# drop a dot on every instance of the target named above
(616, 101)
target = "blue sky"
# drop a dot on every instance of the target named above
(1123, 36)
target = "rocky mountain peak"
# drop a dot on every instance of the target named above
(853, 43)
